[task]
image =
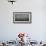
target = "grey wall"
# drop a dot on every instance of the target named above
(37, 28)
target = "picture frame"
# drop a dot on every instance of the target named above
(22, 17)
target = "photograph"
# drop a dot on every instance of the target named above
(22, 22)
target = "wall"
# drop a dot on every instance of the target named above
(9, 31)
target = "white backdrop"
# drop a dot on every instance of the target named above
(37, 28)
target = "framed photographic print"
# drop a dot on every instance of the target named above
(22, 17)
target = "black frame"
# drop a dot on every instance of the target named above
(20, 20)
